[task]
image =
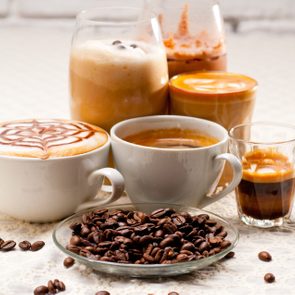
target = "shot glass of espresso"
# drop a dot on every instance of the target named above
(267, 153)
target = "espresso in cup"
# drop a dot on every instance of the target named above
(266, 192)
(48, 168)
(267, 187)
(173, 138)
(172, 159)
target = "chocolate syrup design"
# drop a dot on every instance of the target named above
(43, 134)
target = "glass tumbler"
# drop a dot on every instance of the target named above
(118, 66)
(193, 34)
(266, 192)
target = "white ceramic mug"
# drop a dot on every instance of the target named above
(180, 176)
(46, 190)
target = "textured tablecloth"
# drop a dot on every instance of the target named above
(33, 83)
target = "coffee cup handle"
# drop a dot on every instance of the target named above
(237, 176)
(117, 182)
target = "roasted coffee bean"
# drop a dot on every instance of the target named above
(59, 285)
(145, 240)
(75, 240)
(164, 236)
(116, 42)
(203, 246)
(229, 255)
(148, 258)
(51, 287)
(25, 245)
(182, 257)
(121, 47)
(155, 251)
(170, 227)
(224, 244)
(187, 252)
(102, 293)
(8, 245)
(133, 46)
(188, 246)
(222, 234)
(269, 278)
(264, 256)
(73, 248)
(159, 255)
(166, 242)
(41, 290)
(215, 240)
(178, 220)
(37, 246)
(69, 262)
(158, 213)
(124, 240)
(173, 293)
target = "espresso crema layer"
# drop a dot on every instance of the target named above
(50, 138)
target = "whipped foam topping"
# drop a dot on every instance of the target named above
(46, 138)
(106, 51)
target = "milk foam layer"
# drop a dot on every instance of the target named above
(49, 138)
(112, 80)
(127, 54)
(215, 82)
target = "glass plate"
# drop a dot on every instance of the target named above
(62, 234)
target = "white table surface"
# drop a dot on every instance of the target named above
(34, 83)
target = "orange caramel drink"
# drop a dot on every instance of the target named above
(191, 50)
(225, 98)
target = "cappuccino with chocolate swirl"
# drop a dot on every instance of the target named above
(50, 138)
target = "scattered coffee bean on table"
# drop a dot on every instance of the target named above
(25, 245)
(102, 293)
(7, 245)
(229, 255)
(173, 293)
(53, 287)
(269, 278)
(162, 237)
(264, 256)
(41, 290)
(69, 262)
(37, 246)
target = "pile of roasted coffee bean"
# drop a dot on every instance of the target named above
(162, 237)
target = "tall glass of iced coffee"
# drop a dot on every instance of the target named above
(118, 66)
(193, 34)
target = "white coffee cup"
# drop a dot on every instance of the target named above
(182, 176)
(46, 190)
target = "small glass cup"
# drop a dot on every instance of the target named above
(266, 192)
(193, 33)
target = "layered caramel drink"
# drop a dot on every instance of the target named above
(191, 49)
(113, 80)
(225, 98)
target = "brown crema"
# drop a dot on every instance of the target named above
(173, 138)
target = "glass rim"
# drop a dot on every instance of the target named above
(262, 123)
(85, 16)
